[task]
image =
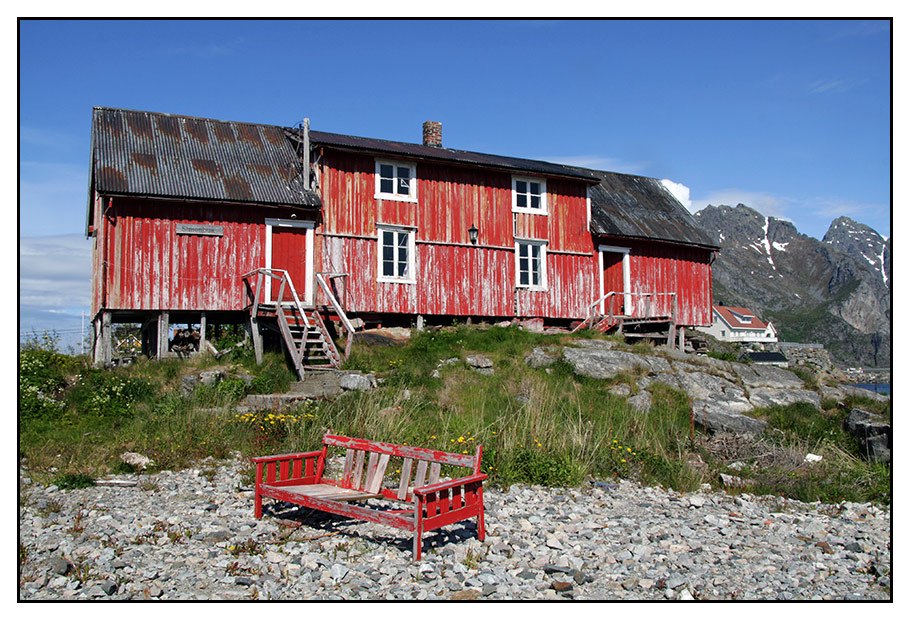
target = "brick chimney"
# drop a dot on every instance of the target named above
(432, 133)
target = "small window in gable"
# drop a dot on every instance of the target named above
(396, 181)
(529, 195)
(396, 255)
(530, 265)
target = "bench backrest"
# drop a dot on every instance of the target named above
(423, 463)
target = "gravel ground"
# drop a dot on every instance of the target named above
(190, 535)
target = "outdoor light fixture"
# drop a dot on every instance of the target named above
(472, 234)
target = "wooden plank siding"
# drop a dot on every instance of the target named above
(454, 277)
(666, 267)
(143, 264)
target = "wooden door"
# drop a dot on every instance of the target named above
(613, 281)
(289, 252)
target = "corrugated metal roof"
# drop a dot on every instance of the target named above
(627, 205)
(420, 151)
(163, 155)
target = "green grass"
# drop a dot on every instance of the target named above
(539, 426)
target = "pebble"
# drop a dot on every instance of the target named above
(182, 535)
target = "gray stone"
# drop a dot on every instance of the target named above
(211, 377)
(479, 361)
(58, 565)
(538, 358)
(622, 390)
(755, 375)
(771, 397)
(600, 363)
(641, 402)
(721, 416)
(352, 382)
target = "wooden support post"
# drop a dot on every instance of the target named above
(163, 323)
(682, 339)
(420, 322)
(257, 339)
(202, 327)
(102, 339)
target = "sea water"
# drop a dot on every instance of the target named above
(878, 388)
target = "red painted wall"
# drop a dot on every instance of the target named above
(666, 267)
(453, 276)
(142, 263)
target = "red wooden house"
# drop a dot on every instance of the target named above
(197, 221)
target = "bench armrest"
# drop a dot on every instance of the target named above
(286, 457)
(449, 484)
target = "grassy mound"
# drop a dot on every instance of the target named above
(539, 426)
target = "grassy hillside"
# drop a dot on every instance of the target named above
(539, 426)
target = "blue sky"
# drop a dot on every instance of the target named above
(792, 118)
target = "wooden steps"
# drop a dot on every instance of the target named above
(304, 334)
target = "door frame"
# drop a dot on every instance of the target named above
(626, 274)
(270, 225)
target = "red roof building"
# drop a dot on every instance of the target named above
(733, 324)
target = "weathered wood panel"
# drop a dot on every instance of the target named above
(454, 277)
(149, 266)
(664, 267)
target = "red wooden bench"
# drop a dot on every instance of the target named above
(299, 479)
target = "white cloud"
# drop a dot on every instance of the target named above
(55, 276)
(680, 191)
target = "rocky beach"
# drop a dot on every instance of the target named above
(191, 535)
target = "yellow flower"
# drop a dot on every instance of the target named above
(624, 460)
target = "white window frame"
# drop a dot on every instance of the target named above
(543, 209)
(542, 285)
(411, 196)
(411, 277)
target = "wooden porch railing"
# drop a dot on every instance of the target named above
(333, 302)
(613, 312)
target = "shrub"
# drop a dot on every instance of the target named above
(74, 480)
(42, 378)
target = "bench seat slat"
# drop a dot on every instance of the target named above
(325, 491)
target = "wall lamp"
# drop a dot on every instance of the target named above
(472, 234)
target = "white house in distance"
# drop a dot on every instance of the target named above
(732, 324)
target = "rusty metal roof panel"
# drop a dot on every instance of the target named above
(626, 205)
(421, 151)
(163, 155)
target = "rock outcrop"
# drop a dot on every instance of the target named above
(722, 393)
(873, 433)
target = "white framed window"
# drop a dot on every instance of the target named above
(396, 181)
(396, 254)
(531, 264)
(529, 195)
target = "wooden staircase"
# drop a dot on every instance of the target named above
(645, 323)
(304, 334)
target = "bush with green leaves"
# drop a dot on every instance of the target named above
(42, 377)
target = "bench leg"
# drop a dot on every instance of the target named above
(258, 487)
(418, 530)
(481, 529)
